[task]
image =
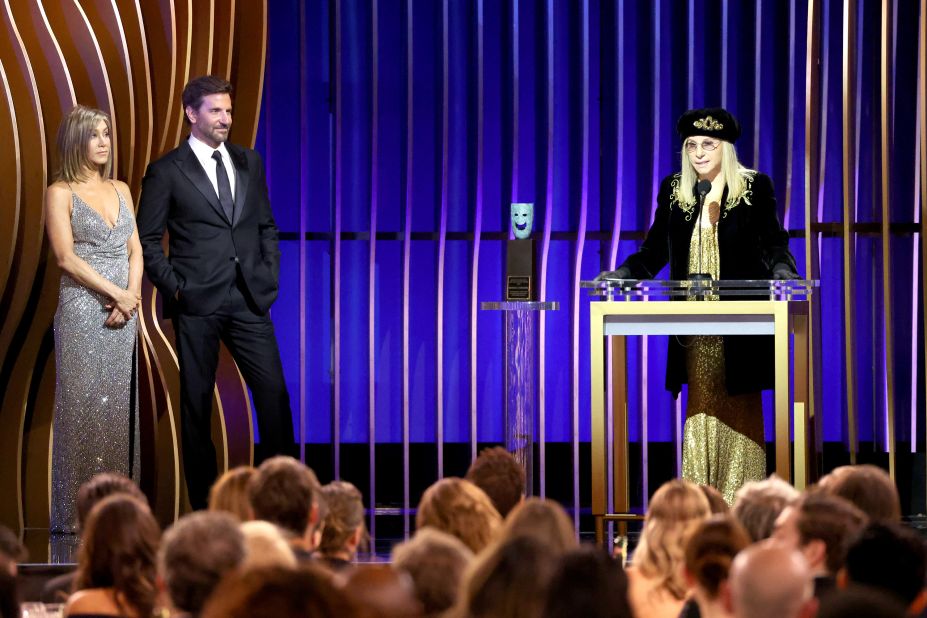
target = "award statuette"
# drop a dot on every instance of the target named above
(519, 255)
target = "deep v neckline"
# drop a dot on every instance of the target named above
(97, 212)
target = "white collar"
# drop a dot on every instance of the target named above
(203, 151)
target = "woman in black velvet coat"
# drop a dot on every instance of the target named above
(736, 236)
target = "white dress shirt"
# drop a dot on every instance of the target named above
(203, 153)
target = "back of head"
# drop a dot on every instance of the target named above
(230, 493)
(769, 580)
(460, 508)
(545, 520)
(344, 516)
(832, 520)
(675, 510)
(860, 602)
(869, 488)
(101, 486)
(196, 552)
(715, 500)
(889, 557)
(497, 473)
(382, 592)
(283, 491)
(436, 562)
(265, 546)
(277, 592)
(510, 580)
(711, 550)
(588, 582)
(758, 503)
(119, 551)
(11, 551)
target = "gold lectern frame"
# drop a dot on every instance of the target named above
(617, 320)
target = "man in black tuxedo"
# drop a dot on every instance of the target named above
(220, 276)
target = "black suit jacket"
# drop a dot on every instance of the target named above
(751, 241)
(205, 248)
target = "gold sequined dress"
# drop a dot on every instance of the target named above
(723, 442)
(96, 405)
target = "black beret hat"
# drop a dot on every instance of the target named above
(711, 121)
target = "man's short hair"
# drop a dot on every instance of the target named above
(758, 503)
(11, 550)
(890, 557)
(102, 486)
(832, 520)
(199, 88)
(868, 487)
(282, 492)
(196, 552)
(436, 562)
(497, 473)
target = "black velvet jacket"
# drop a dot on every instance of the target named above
(751, 242)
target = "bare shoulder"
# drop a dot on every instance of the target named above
(92, 601)
(58, 195)
(123, 189)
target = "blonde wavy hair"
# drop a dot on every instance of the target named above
(73, 136)
(461, 509)
(676, 510)
(230, 493)
(733, 171)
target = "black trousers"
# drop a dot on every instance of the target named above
(249, 336)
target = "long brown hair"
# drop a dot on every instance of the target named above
(119, 552)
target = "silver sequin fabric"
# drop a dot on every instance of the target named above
(96, 405)
(723, 444)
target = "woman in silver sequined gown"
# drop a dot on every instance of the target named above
(91, 229)
(737, 235)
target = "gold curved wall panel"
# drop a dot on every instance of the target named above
(130, 58)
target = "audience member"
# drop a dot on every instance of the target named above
(715, 500)
(230, 493)
(821, 527)
(508, 580)
(436, 562)
(892, 558)
(277, 592)
(196, 552)
(588, 582)
(116, 569)
(758, 504)
(285, 492)
(460, 508)
(343, 528)
(709, 553)
(497, 473)
(770, 580)
(860, 602)
(545, 520)
(868, 487)
(657, 585)
(91, 493)
(11, 551)
(265, 546)
(378, 591)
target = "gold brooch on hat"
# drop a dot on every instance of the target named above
(708, 124)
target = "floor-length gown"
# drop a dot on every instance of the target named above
(96, 405)
(723, 443)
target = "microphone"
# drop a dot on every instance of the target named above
(702, 188)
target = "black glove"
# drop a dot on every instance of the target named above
(622, 272)
(784, 271)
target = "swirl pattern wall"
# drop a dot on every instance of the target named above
(131, 59)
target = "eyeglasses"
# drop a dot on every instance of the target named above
(707, 145)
